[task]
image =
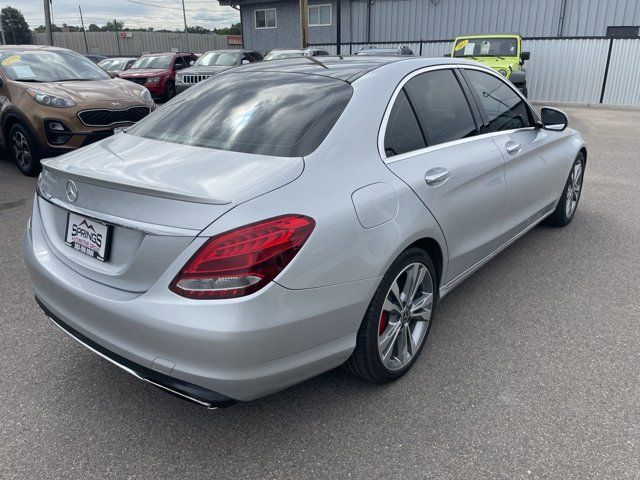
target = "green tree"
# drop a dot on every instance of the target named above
(114, 25)
(15, 27)
(235, 29)
(94, 28)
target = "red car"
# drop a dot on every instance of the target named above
(157, 72)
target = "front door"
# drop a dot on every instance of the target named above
(431, 143)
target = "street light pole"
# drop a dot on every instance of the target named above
(84, 30)
(47, 22)
(304, 22)
(4, 42)
(186, 29)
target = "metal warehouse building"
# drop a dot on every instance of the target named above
(584, 51)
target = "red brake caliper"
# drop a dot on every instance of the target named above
(384, 321)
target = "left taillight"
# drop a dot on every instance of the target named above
(242, 261)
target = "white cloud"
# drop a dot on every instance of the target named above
(156, 13)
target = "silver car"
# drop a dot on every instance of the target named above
(283, 219)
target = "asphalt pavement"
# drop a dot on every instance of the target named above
(531, 370)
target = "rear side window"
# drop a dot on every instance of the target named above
(503, 107)
(441, 106)
(403, 132)
(267, 113)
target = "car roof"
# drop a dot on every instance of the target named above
(347, 68)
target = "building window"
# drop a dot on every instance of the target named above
(320, 15)
(266, 18)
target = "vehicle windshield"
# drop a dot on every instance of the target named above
(49, 66)
(266, 113)
(217, 59)
(153, 61)
(486, 47)
(113, 63)
(280, 55)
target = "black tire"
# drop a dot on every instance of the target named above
(365, 361)
(170, 91)
(563, 215)
(24, 150)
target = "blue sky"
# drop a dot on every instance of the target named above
(134, 13)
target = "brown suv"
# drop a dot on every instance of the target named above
(53, 100)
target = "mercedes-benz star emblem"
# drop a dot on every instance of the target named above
(72, 191)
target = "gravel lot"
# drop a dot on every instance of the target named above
(532, 370)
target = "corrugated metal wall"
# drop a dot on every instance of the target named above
(397, 20)
(623, 79)
(565, 70)
(110, 44)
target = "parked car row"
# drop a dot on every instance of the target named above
(54, 100)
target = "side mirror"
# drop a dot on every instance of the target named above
(525, 56)
(553, 119)
(244, 61)
(447, 55)
(191, 63)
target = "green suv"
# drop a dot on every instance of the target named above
(503, 53)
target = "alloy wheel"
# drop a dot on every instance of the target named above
(573, 189)
(405, 317)
(21, 150)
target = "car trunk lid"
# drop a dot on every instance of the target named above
(156, 196)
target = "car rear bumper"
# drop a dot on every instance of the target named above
(239, 349)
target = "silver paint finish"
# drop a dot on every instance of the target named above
(306, 321)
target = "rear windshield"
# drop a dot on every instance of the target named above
(267, 113)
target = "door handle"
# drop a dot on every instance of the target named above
(436, 176)
(511, 146)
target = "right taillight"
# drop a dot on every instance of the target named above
(244, 260)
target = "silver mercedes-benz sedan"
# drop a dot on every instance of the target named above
(285, 218)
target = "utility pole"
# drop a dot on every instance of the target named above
(338, 27)
(304, 22)
(4, 42)
(186, 30)
(115, 27)
(84, 30)
(47, 22)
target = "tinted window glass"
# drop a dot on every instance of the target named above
(441, 106)
(267, 113)
(48, 66)
(403, 132)
(504, 108)
(486, 47)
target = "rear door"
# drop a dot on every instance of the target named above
(431, 142)
(531, 166)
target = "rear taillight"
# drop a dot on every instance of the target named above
(244, 260)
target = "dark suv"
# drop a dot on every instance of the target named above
(214, 62)
(157, 72)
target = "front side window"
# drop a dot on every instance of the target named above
(266, 18)
(49, 66)
(503, 107)
(441, 107)
(266, 113)
(319, 15)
